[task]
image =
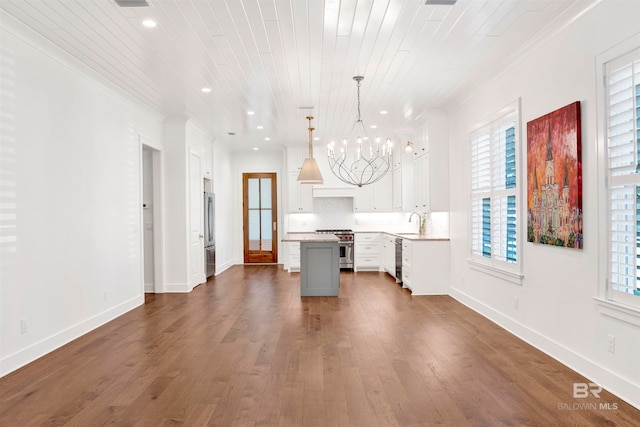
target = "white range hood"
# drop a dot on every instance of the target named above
(323, 191)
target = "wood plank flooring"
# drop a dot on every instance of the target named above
(245, 349)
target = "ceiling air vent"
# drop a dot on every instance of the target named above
(442, 2)
(132, 3)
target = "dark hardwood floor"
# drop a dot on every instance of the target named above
(246, 349)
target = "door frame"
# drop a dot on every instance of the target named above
(274, 211)
(195, 195)
(148, 143)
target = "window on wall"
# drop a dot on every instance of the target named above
(622, 182)
(494, 194)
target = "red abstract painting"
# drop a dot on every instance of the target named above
(554, 178)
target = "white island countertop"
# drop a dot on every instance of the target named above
(309, 237)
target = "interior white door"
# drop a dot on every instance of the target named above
(147, 218)
(196, 220)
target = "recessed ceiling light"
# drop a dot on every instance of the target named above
(256, 148)
(374, 127)
(260, 127)
(383, 112)
(149, 23)
(206, 89)
(267, 139)
(251, 113)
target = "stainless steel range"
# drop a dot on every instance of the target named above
(345, 245)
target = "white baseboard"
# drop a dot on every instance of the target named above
(177, 288)
(222, 267)
(615, 384)
(27, 355)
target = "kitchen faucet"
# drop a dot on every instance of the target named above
(421, 223)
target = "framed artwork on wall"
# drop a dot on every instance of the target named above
(554, 178)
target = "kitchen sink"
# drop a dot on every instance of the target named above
(408, 234)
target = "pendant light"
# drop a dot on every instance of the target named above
(310, 172)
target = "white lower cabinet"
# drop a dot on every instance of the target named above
(366, 251)
(425, 266)
(389, 254)
(294, 256)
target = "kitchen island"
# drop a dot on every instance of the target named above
(319, 263)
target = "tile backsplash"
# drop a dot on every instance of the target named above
(337, 212)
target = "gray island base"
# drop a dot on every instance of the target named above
(319, 263)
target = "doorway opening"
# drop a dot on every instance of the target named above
(259, 210)
(151, 193)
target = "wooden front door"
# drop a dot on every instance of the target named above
(260, 217)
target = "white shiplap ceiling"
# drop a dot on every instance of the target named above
(274, 57)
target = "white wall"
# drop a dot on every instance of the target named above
(556, 311)
(254, 161)
(180, 138)
(225, 209)
(70, 230)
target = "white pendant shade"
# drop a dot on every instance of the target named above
(310, 172)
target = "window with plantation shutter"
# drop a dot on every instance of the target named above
(494, 193)
(622, 103)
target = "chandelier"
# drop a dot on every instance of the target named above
(359, 160)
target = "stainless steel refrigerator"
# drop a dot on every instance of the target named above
(209, 233)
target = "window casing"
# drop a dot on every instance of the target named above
(495, 196)
(622, 179)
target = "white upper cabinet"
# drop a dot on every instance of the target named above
(421, 184)
(300, 195)
(295, 158)
(421, 141)
(375, 197)
(396, 190)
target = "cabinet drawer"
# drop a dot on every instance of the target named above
(406, 258)
(366, 248)
(367, 237)
(406, 276)
(367, 261)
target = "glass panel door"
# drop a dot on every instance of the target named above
(260, 231)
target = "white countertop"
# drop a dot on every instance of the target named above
(309, 237)
(418, 236)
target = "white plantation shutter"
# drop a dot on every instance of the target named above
(494, 190)
(622, 235)
(480, 188)
(623, 145)
(476, 226)
(480, 162)
(499, 228)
